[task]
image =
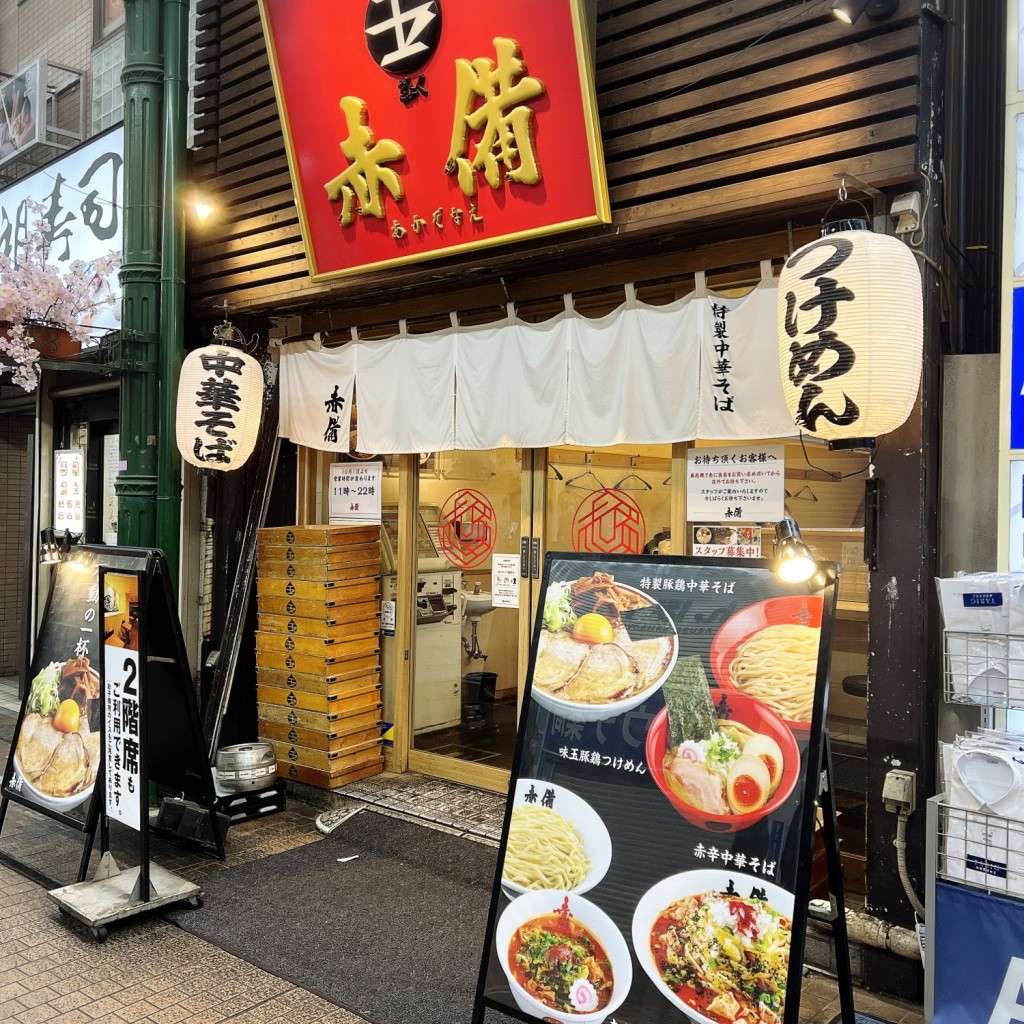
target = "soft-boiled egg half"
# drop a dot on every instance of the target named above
(770, 753)
(748, 785)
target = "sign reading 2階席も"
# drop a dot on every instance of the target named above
(421, 128)
(656, 857)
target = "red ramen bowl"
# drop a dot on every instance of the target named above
(760, 719)
(795, 610)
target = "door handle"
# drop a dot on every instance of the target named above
(535, 558)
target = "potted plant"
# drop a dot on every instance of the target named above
(46, 310)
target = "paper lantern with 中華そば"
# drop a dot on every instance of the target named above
(220, 400)
(851, 334)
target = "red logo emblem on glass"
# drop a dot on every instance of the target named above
(468, 528)
(609, 522)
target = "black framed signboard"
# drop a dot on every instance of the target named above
(88, 741)
(656, 854)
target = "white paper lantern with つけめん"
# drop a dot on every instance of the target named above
(851, 334)
(220, 399)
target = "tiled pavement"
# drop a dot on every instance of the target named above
(151, 972)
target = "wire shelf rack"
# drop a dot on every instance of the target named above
(981, 850)
(984, 669)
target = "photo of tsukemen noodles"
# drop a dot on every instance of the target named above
(777, 665)
(717, 945)
(544, 851)
(769, 651)
(556, 840)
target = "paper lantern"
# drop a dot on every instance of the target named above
(851, 334)
(220, 399)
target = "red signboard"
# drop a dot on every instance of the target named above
(421, 128)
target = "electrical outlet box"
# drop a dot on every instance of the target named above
(898, 791)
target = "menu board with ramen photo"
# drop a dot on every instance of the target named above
(656, 854)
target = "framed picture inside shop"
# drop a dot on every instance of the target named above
(656, 855)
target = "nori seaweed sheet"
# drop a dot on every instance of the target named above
(691, 714)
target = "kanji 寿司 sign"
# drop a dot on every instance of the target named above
(421, 128)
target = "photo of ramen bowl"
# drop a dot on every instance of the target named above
(769, 650)
(556, 840)
(589, 977)
(680, 776)
(680, 923)
(57, 753)
(604, 649)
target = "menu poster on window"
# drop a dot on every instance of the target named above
(69, 491)
(122, 704)
(662, 800)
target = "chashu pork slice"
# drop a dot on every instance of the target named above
(699, 785)
(608, 674)
(559, 658)
(36, 743)
(68, 768)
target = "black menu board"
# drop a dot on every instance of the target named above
(656, 854)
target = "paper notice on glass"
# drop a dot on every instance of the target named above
(355, 493)
(740, 483)
(505, 581)
(387, 618)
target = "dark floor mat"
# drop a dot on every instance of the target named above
(394, 935)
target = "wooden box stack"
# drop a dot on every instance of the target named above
(318, 651)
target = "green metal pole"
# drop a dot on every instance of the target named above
(172, 280)
(140, 273)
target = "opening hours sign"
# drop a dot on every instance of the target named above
(421, 128)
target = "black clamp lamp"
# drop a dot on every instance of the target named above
(51, 550)
(794, 562)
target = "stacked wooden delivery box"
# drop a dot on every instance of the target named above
(318, 651)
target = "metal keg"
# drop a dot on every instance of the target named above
(244, 767)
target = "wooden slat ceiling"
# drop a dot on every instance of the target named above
(718, 119)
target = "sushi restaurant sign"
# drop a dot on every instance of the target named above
(655, 861)
(421, 128)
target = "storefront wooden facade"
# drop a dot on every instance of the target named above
(727, 129)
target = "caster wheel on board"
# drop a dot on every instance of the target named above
(196, 901)
(100, 934)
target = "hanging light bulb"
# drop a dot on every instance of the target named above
(794, 562)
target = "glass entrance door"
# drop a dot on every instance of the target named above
(474, 612)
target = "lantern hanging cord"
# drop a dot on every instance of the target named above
(836, 477)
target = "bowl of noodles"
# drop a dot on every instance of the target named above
(603, 649)
(769, 651)
(556, 840)
(744, 770)
(564, 958)
(684, 924)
